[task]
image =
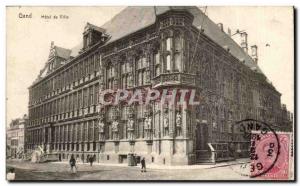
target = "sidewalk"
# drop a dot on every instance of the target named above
(167, 167)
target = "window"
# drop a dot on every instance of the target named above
(85, 97)
(79, 132)
(110, 76)
(110, 114)
(79, 99)
(178, 52)
(140, 78)
(123, 67)
(177, 57)
(144, 62)
(124, 113)
(140, 111)
(124, 81)
(139, 63)
(142, 74)
(168, 44)
(168, 63)
(96, 62)
(96, 131)
(90, 130)
(145, 77)
(96, 94)
(157, 63)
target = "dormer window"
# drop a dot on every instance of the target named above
(93, 34)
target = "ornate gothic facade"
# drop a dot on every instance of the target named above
(150, 47)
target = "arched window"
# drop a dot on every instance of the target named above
(168, 63)
(168, 44)
(157, 63)
(178, 52)
(110, 76)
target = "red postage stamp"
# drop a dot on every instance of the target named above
(272, 154)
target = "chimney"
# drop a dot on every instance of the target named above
(52, 44)
(220, 25)
(229, 32)
(244, 41)
(254, 53)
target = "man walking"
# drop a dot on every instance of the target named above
(91, 160)
(143, 163)
(73, 164)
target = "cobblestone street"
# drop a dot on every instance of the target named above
(61, 171)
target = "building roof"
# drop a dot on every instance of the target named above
(132, 19)
(94, 27)
(62, 52)
(135, 18)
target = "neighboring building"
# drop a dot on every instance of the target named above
(286, 119)
(15, 138)
(150, 47)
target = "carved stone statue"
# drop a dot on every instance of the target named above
(101, 130)
(130, 128)
(149, 123)
(101, 127)
(166, 125)
(130, 124)
(148, 127)
(115, 129)
(146, 123)
(115, 125)
(178, 120)
(178, 123)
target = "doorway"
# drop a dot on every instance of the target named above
(201, 136)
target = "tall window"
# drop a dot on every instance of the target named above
(75, 101)
(125, 70)
(178, 53)
(110, 114)
(124, 113)
(157, 63)
(168, 63)
(85, 97)
(168, 44)
(110, 76)
(79, 99)
(84, 134)
(96, 94)
(91, 98)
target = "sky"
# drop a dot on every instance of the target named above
(28, 43)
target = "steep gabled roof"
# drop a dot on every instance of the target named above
(62, 52)
(132, 19)
(94, 27)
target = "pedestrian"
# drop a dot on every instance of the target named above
(73, 164)
(11, 174)
(143, 163)
(91, 160)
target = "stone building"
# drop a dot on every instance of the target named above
(158, 48)
(15, 138)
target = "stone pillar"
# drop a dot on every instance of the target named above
(171, 120)
(85, 146)
(161, 129)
